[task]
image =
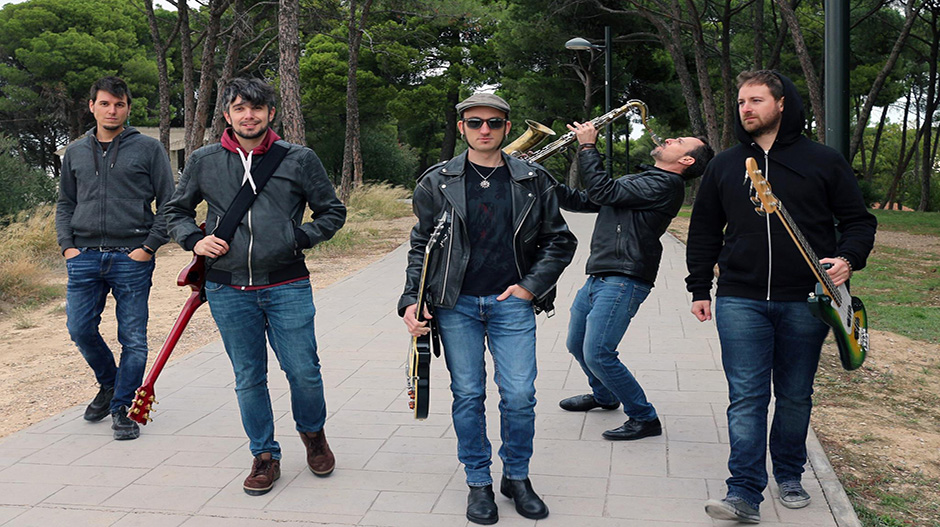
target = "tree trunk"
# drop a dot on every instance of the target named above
(449, 144)
(189, 74)
(232, 52)
(289, 64)
(207, 80)
(701, 69)
(757, 25)
(163, 84)
(729, 88)
(926, 166)
(352, 153)
(806, 63)
(876, 143)
(865, 113)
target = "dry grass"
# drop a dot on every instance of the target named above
(28, 252)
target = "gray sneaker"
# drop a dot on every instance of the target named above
(732, 508)
(792, 495)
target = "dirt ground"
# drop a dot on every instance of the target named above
(42, 373)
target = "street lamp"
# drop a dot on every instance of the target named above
(580, 44)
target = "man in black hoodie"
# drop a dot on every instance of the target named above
(764, 325)
(108, 233)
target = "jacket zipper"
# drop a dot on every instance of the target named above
(770, 251)
(251, 243)
(515, 235)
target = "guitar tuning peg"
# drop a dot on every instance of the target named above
(135, 410)
(154, 400)
(760, 212)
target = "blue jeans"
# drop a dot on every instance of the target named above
(91, 275)
(286, 314)
(509, 330)
(600, 315)
(761, 342)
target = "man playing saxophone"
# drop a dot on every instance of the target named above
(633, 213)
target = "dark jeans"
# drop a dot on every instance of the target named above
(764, 342)
(286, 314)
(508, 327)
(600, 315)
(92, 275)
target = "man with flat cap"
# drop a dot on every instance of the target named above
(503, 249)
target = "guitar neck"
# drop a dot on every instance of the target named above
(808, 254)
(192, 303)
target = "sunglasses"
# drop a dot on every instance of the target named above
(475, 123)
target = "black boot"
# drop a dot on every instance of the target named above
(100, 406)
(528, 503)
(481, 506)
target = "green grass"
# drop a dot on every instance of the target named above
(910, 222)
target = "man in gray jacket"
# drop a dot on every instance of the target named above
(108, 233)
(257, 280)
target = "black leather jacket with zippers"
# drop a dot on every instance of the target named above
(542, 244)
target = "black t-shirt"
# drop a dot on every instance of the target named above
(492, 266)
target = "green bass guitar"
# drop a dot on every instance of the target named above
(841, 311)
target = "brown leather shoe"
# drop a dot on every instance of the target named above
(319, 456)
(264, 472)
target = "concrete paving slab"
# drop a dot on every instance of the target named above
(187, 467)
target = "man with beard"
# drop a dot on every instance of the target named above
(109, 234)
(633, 213)
(504, 249)
(767, 333)
(257, 281)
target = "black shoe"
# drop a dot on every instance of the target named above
(528, 503)
(583, 403)
(99, 407)
(635, 430)
(732, 508)
(124, 428)
(481, 506)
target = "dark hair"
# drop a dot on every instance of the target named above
(111, 84)
(766, 77)
(254, 91)
(702, 155)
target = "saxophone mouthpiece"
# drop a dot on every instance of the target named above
(658, 141)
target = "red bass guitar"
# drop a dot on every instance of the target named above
(194, 276)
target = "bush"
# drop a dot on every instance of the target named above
(23, 186)
(28, 250)
(379, 201)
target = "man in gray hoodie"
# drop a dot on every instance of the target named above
(108, 233)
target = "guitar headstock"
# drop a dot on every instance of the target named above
(762, 196)
(438, 229)
(142, 406)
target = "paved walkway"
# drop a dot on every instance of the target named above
(188, 465)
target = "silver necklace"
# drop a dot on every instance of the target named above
(484, 183)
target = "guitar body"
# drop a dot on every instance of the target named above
(849, 323)
(419, 367)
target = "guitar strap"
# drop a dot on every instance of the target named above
(246, 195)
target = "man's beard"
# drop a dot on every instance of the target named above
(112, 128)
(255, 135)
(769, 127)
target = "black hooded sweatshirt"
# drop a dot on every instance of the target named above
(756, 257)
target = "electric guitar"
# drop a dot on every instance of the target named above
(418, 369)
(841, 311)
(194, 276)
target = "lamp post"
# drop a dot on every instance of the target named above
(581, 44)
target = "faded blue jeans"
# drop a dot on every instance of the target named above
(600, 315)
(508, 329)
(286, 314)
(764, 342)
(92, 275)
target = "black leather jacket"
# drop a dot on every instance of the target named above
(542, 243)
(633, 212)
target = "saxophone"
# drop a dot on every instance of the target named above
(519, 150)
